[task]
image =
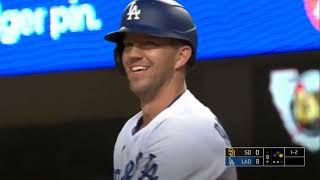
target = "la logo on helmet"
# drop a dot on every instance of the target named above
(312, 8)
(133, 11)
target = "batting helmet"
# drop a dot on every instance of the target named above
(160, 18)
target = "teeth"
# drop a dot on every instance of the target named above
(138, 68)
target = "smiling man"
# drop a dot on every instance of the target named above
(174, 136)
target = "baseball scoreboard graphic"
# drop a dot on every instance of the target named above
(38, 36)
(265, 156)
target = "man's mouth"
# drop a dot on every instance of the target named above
(138, 68)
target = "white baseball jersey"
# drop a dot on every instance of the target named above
(183, 142)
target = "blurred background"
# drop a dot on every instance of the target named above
(62, 103)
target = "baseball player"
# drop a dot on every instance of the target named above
(174, 136)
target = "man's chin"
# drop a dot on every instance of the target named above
(138, 90)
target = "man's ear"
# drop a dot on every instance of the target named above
(183, 56)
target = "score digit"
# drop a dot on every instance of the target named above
(257, 152)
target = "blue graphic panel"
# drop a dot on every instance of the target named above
(38, 36)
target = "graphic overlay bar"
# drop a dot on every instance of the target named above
(265, 156)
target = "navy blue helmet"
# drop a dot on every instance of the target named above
(160, 18)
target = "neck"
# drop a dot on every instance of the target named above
(152, 106)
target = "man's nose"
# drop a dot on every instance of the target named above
(134, 52)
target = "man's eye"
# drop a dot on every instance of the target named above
(149, 44)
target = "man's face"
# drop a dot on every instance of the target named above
(149, 62)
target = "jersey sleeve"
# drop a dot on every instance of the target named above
(183, 153)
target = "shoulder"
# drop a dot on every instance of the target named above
(191, 127)
(189, 145)
(189, 116)
(126, 130)
(184, 141)
(132, 122)
(201, 131)
(189, 106)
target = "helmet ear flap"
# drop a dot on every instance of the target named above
(118, 50)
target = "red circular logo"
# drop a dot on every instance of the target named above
(313, 12)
